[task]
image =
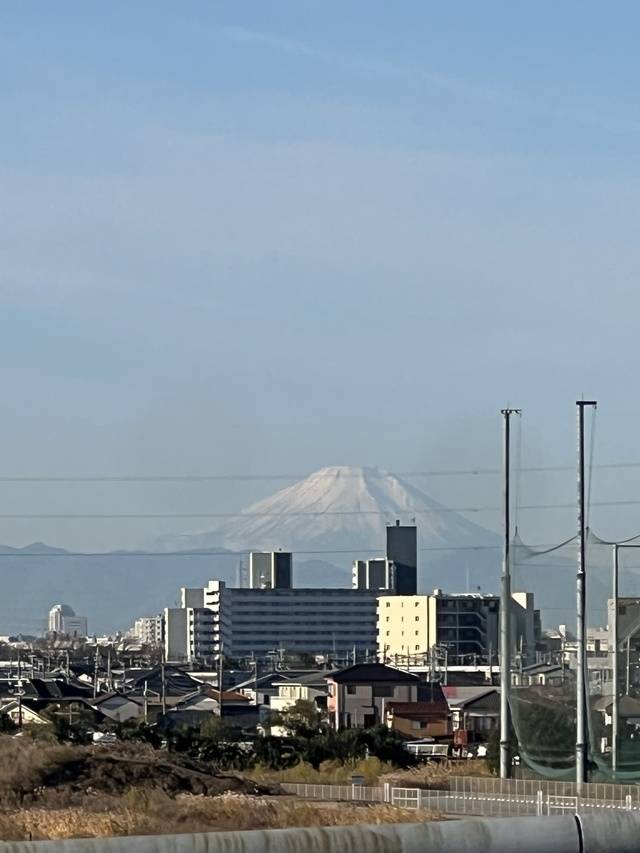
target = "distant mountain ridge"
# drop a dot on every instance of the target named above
(327, 519)
(338, 507)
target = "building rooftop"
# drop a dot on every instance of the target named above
(458, 697)
(364, 673)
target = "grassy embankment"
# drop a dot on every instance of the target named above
(56, 791)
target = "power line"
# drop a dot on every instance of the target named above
(197, 478)
(301, 514)
(222, 553)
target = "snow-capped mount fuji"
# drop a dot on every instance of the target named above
(339, 512)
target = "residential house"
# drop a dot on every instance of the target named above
(415, 720)
(118, 707)
(541, 675)
(23, 713)
(310, 687)
(198, 708)
(474, 710)
(359, 694)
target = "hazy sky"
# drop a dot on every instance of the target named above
(266, 237)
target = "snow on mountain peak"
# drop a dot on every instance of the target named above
(341, 508)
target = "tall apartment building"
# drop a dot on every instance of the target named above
(371, 574)
(467, 625)
(256, 622)
(402, 553)
(270, 570)
(148, 629)
(398, 570)
(188, 629)
(317, 621)
(63, 620)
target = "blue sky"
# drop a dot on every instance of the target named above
(267, 237)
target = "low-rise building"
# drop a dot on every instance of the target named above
(311, 687)
(359, 694)
(542, 675)
(474, 710)
(118, 706)
(415, 720)
(201, 706)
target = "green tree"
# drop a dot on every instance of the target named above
(303, 719)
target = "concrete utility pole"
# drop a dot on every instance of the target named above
(95, 673)
(616, 696)
(220, 678)
(505, 604)
(164, 685)
(581, 597)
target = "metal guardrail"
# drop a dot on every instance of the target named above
(484, 797)
(604, 791)
(351, 793)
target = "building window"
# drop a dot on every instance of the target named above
(417, 618)
(351, 689)
(417, 648)
(416, 724)
(388, 604)
(417, 633)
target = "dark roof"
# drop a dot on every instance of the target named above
(365, 673)
(58, 689)
(539, 668)
(177, 682)
(270, 679)
(103, 697)
(311, 679)
(460, 697)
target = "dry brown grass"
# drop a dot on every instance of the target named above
(156, 814)
(375, 772)
(330, 772)
(435, 775)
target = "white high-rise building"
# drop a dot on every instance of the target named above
(148, 629)
(63, 620)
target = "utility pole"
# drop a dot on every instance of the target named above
(505, 601)
(615, 711)
(581, 597)
(95, 674)
(163, 681)
(220, 674)
(19, 691)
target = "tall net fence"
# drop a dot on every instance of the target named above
(543, 704)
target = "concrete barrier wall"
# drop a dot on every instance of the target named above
(617, 833)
